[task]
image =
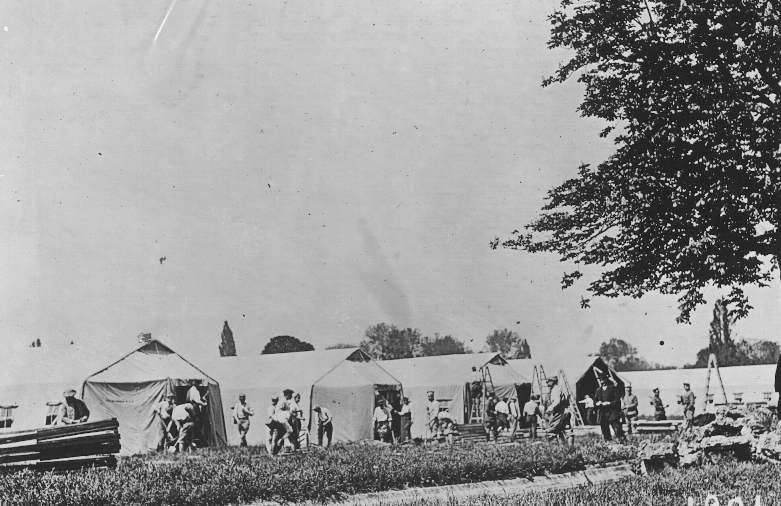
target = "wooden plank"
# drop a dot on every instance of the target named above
(17, 437)
(101, 438)
(79, 428)
(80, 451)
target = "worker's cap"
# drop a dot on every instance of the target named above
(287, 391)
(275, 398)
(553, 379)
(406, 399)
(656, 390)
(69, 393)
(316, 408)
(430, 392)
(686, 384)
(242, 396)
(603, 375)
(629, 387)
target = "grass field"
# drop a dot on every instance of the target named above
(726, 482)
(236, 476)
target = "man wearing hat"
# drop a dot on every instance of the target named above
(241, 413)
(630, 408)
(407, 417)
(608, 404)
(293, 408)
(659, 406)
(162, 411)
(432, 410)
(491, 423)
(555, 407)
(325, 426)
(71, 411)
(687, 399)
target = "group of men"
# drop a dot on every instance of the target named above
(383, 421)
(178, 422)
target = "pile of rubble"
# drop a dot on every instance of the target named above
(736, 433)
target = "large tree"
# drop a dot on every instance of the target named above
(387, 342)
(285, 344)
(729, 351)
(691, 197)
(508, 343)
(622, 356)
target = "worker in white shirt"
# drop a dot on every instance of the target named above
(241, 413)
(282, 416)
(295, 410)
(515, 416)
(503, 414)
(382, 421)
(407, 415)
(432, 410)
(325, 426)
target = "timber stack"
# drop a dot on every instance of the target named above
(93, 444)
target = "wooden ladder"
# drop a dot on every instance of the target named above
(712, 363)
(573, 401)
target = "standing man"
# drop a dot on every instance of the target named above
(325, 426)
(630, 408)
(515, 415)
(407, 419)
(72, 411)
(491, 415)
(272, 426)
(588, 405)
(194, 396)
(687, 399)
(608, 405)
(162, 411)
(659, 406)
(293, 420)
(432, 410)
(531, 410)
(241, 414)
(476, 387)
(555, 409)
(184, 417)
(382, 421)
(503, 414)
(778, 388)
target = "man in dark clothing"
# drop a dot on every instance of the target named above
(608, 404)
(71, 411)
(659, 406)
(490, 415)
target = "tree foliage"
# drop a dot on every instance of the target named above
(285, 344)
(442, 345)
(690, 197)
(227, 345)
(730, 352)
(622, 356)
(387, 342)
(509, 344)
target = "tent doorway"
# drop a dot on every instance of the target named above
(202, 423)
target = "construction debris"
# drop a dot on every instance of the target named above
(734, 433)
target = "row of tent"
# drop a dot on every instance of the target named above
(346, 381)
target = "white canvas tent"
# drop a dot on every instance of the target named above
(742, 384)
(345, 381)
(33, 380)
(449, 376)
(128, 389)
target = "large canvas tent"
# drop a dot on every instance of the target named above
(346, 381)
(33, 380)
(128, 389)
(449, 376)
(742, 384)
(579, 372)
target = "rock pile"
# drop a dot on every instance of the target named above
(738, 433)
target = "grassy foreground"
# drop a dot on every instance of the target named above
(726, 483)
(235, 476)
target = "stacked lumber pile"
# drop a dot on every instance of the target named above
(740, 433)
(61, 448)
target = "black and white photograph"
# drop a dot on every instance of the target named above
(419, 253)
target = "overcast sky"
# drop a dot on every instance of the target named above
(305, 168)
